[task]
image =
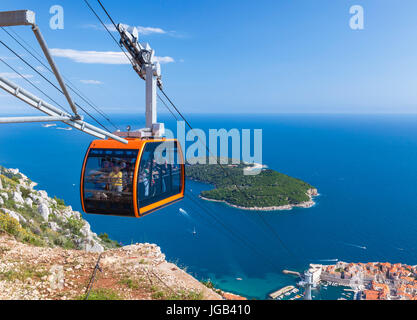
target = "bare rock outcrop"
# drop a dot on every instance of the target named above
(136, 272)
(33, 208)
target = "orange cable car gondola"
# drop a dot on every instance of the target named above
(147, 172)
(132, 180)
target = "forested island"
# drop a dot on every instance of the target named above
(267, 191)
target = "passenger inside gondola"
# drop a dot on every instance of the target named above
(116, 181)
(109, 176)
(159, 177)
(109, 179)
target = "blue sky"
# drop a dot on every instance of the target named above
(227, 56)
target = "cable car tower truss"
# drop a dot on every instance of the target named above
(27, 18)
(142, 58)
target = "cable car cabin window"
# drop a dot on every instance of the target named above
(108, 182)
(160, 174)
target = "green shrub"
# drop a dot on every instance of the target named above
(25, 192)
(9, 204)
(104, 237)
(23, 273)
(11, 176)
(101, 294)
(7, 182)
(12, 227)
(109, 242)
(208, 284)
(9, 224)
(159, 295)
(179, 295)
(60, 202)
(30, 213)
(183, 295)
(16, 178)
(69, 245)
(130, 283)
(75, 225)
(29, 237)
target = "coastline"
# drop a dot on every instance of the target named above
(307, 204)
(369, 281)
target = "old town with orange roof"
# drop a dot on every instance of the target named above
(371, 281)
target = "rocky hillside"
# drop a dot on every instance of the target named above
(134, 272)
(33, 217)
(48, 251)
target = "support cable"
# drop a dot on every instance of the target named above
(107, 29)
(51, 83)
(33, 85)
(167, 107)
(233, 234)
(73, 88)
(107, 13)
(93, 277)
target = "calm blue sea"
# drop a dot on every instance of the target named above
(364, 166)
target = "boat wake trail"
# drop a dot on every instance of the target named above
(184, 213)
(355, 246)
(328, 260)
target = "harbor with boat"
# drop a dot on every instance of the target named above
(355, 281)
(286, 293)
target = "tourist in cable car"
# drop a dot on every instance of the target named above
(134, 179)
